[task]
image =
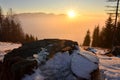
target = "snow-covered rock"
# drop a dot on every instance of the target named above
(82, 65)
(41, 56)
(35, 76)
(64, 66)
(49, 59)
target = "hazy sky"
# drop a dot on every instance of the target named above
(55, 6)
(89, 13)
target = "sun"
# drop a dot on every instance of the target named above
(71, 13)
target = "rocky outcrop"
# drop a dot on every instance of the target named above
(52, 46)
(21, 61)
(16, 62)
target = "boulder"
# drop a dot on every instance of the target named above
(32, 56)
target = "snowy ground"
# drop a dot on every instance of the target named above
(63, 65)
(6, 47)
(109, 66)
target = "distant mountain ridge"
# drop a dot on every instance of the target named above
(39, 14)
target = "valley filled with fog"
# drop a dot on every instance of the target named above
(60, 26)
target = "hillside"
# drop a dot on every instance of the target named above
(52, 66)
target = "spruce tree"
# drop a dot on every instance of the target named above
(108, 33)
(1, 20)
(95, 37)
(11, 30)
(118, 34)
(87, 39)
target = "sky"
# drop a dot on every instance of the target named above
(55, 6)
(88, 14)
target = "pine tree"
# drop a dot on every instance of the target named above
(87, 39)
(106, 35)
(1, 20)
(11, 30)
(95, 41)
(118, 34)
(36, 38)
(108, 32)
(102, 38)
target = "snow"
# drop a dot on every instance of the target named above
(91, 49)
(109, 66)
(41, 56)
(35, 76)
(63, 65)
(6, 47)
(92, 57)
(80, 62)
(57, 67)
(80, 66)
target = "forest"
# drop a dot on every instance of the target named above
(106, 38)
(11, 30)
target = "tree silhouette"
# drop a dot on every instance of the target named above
(106, 35)
(11, 30)
(118, 34)
(1, 21)
(87, 39)
(95, 37)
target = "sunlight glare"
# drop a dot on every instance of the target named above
(71, 13)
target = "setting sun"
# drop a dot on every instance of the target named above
(71, 13)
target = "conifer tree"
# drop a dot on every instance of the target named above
(118, 34)
(108, 33)
(1, 20)
(87, 39)
(95, 37)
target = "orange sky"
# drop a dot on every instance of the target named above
(50, 24)
(60, 26)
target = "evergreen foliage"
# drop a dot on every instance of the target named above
(11, 30)
(87, 39)
(118, 34)
(95, 37)
(106, 35)
(104, 38)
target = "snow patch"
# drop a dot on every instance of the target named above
(63, 65)
(109, 66)
(35, 76)
(6, 47)
(41, 56)
(80, 64)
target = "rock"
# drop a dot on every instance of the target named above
(16, 67)
(24, 60)
(16, 63)
(52, 46)
(95, 75)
